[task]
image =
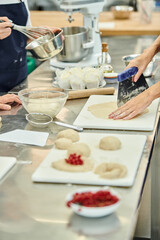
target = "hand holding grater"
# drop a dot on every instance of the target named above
(128, 89)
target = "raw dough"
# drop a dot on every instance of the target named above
(63, 143)
(69, 133)
(80, 149)
(102, 110)
(111, 170)
(110, 143)
(63, 166)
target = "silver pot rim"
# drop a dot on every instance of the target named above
(35, 43)
(76, 34)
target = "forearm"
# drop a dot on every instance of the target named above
(154, 91)
(151, 51)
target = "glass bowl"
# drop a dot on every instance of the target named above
(42, 100)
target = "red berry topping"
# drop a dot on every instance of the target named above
(74, 159)
(100, 198)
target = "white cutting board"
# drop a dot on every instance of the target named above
(6, 163)
(129, 155)
(144, 122)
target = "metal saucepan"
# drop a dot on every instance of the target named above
(46, 46)
(76, 44)
(151, 68)
(42, 120)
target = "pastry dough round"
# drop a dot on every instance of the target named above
(63, 166)
(69, 133)
(111, 170)
(110, 143)
(63, 143)
(80, 149)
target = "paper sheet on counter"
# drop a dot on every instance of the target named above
(106, 25)
(25, 137)
(6, 163)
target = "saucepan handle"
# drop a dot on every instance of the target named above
(127, 74)
(88, 44)
(2, 21)
(79, 129)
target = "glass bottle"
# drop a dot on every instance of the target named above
(105, 59)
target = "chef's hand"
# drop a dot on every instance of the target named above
(141, 63)
(13, 111)
(7, 100)
(56, 30)
(133, 107)
(5, 28)
(144, 59)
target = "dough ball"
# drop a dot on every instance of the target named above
(63, 166)
(69, 133)
(80, 149)
(110, 143)
(111, 170)
(63, 143)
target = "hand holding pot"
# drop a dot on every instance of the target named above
(5, 27)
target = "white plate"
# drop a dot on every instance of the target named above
(144, 122)
(55, 84)
(110, 75)
(93, 211)
(126, 156)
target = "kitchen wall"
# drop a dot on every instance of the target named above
(53, 4)
(43, 5)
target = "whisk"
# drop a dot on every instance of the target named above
(32, 32)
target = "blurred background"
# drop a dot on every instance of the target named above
(53, 4)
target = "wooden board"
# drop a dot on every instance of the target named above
(144, 122)
(126, 155)
(108, 25)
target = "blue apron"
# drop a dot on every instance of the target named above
(13, 63)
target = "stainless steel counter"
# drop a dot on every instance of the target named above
(37, 211)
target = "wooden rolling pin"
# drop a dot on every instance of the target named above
(84, 93)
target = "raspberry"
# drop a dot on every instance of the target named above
(74, 159)
(100, 198)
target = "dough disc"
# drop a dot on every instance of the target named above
(111, 170)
